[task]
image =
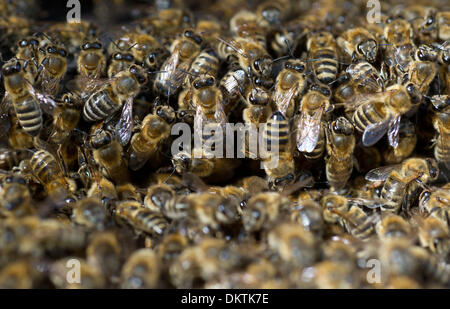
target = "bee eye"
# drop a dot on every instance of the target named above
(9, 179)
(63, 52)
(198, 39)
(51, 50)
(152, 57)
(410, 88)
(86, 46)
(23, 43)
(117, 56)
(129, 57)
(421, 56)
(300, 68)
(34, 42)
(210, 82)
(287, 65)
(325, 92)
(256, 65)
(430, 20)
(97, 45)
(188, 33)
(197, 85)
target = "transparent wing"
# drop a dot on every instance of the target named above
(381, 173)
(124, 126)
(393, 132)
(282, 100)
(361, 99)
(219, 114)
(85, 85)
(309, 131)
(374, 132)
(46, 102)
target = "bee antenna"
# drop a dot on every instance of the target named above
(187, 72)
(171, 174)
(132, 46)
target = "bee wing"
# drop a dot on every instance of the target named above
(198, 120)
(194, 183)
(381, 173)
(372, 203)
(309, 131)
(85, 85)
(220, 114)
(124, 126)
(283, 100)
(393, 132)
(361, 99)
(374, 132)
(47, 103)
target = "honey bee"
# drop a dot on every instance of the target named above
(154, 130)
(52, 67)
(293, 244)
(210, 28)
(121, 59)
(18, 137)
(308, 214)
(184, 50)
(279, 162)
(91, 61)
(398, 32)
(206, 62)
(90, 276)
(244, 24)
(435, 203)
(141, 270)
(185, 269)
(335, 275)
(323, 52)
(257, 105)
(394, 226)
(28, 50)
(66, 117)
(406, 144)
(434, 235)
(381, 112)
(398, 180)
(141, 218)
(312, 107)
(358, 43)
(340, 147)
(27, 102)
(90, 213)
(289, 85)
(271, 14)
(262, 210)
(19, 275)
(171, 247)
(441, 120)
(15, 197)
(104, 252)
(443, 22)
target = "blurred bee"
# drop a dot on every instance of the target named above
(335, 275)
(340, 146)
(171, 247)
(313, 105)
(249, 54)
(434, 235)
(359, 44)
(271, 14)
(210, 28)
(91, 61)
(279, 161)
(359, 78)
(308, 214)
(52, 67)
(232, 85)
(443, 22)
(262, 210)
(289, 85)
(397, 180)
(15, 197)
(27, 102)
(183, 50)
(406, 144)
(140, 218)
(10, 158)
(66, 117)
(154, 130)
(376, 114)
(436, 203)
(105, 253)
(394, 227)
(162, 198)
(244, 24)
(19, 274)
(90, 275)
(121, 58)
(141, 270)
(323, 52)
(398, 32)
(185, 269)
(293, 244)
(90, 213)
(441, 121)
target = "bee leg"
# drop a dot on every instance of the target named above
(41, 67)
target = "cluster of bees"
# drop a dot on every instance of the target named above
(360, 111)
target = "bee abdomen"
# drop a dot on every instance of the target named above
(151, 222)
(206, 62)
(29, 115)
(325, 65)
(43, 165)
(318, 150)
(277, 132)
(99, 106)
(365, 116)
(393, 191)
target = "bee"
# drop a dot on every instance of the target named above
(381, 112)
(18, 137)
(141, 270)
(308, 214)
(434, 235)
(162, 198)
(279, 162)
(441, 120)
(257, 105)
(206, 62)
(184, 50)
(394, 227)
(436, 203)
(271, 14)
(251, 56)
(312, 107)
(293, 244)
(90, 275)
(28, 50)
(10, 158)
(323, 52)
(27, 102)
(359, 78)
(289, 85)
(108, 153)
(406, 144)
(121, 59)
(397, 180)
(171, 247)
(398, 32)
(104, 252)
(154, 130)
(90, 213)
(91, 61)
(340, 146)
(52, 67)
(66, 117)
(262, 210)
(15, 197)
(141, 218)
(421, 73)
(210, 28)
(358, 43)
(335, 275)
(19, 275)
(244, 24)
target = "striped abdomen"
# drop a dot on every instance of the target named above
(276, 134)
(442, 146)
(29, 114)
(325, 65)
(205, 63)
(100, 105)
(142, 218)
(44, 166)
(358, 223)
(367, 114)
(338, 171)
(393, 192)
